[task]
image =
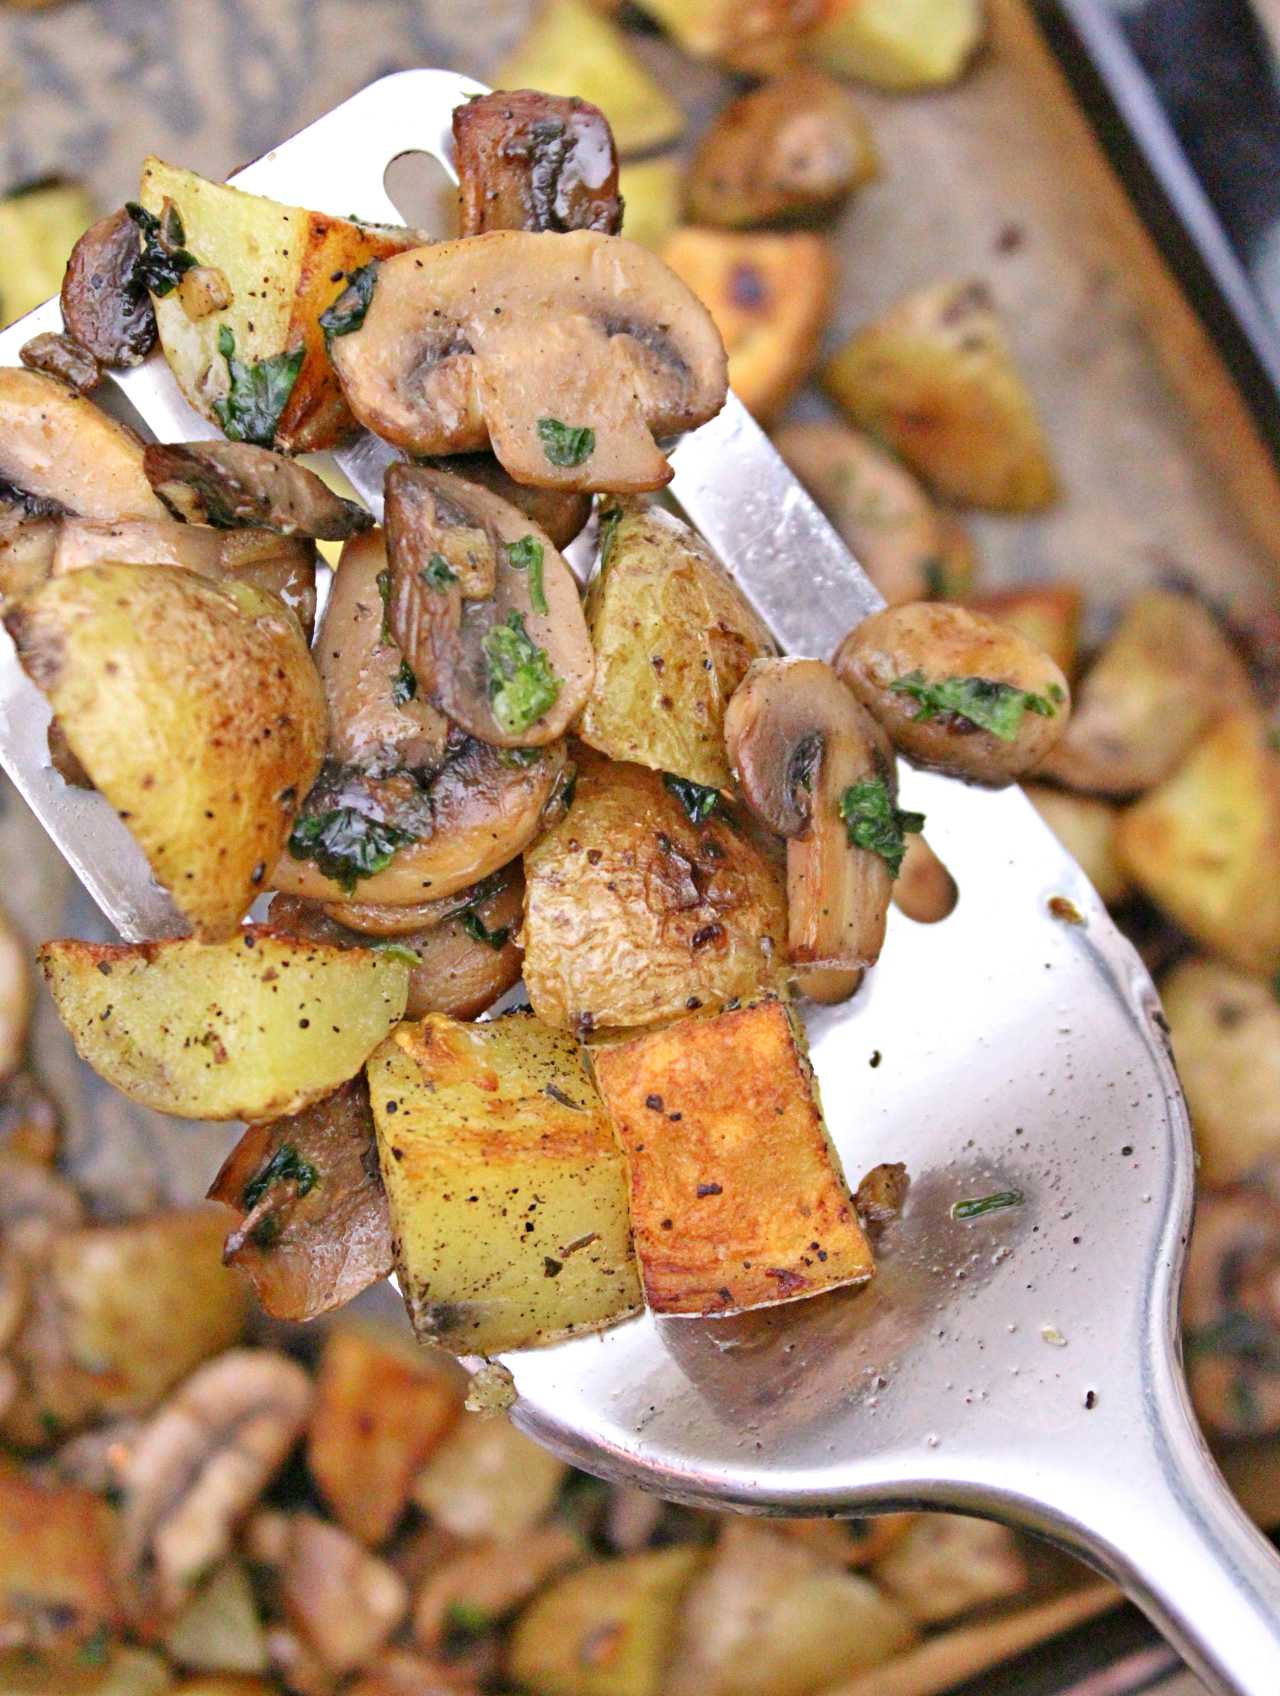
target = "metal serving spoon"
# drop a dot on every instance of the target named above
(1022, 1363)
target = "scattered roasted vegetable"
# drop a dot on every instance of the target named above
(899, 44)
(232, 485)
(1047, 614)
(1229, 1312)
(59, 448)
(529, 161)
(38, 228)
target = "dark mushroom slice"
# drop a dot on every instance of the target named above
(568, 354)
(1231, 1312)
(530, 161)
(816, 768)
(105, 304)
(562, 513)
(58, 446)
(512, 663)
(234, 485)
(61, 356)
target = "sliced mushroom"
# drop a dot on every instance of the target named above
(345, 1601)
(569, 353)
(529, 161)
(61, 356)
(105, 305)
(513, 668)
(58, 446)
(805, 752)
(1231, 1312)
(369, 918)
(562, 513)
(234, 485)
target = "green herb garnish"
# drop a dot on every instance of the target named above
(258, 394)
(873, 822)
(346, 845)
(398, 951)
(437, 574)
(526, 555)
(93, 1651)
(609, 522)
(267, 1232)
(284, 1164)
(164, 259)
(478, 931)
(698, 801)
(522, 685)
(977, 1205)
(566, 444)
(997, 707)
(348, 310)
(404, 686)
(467, 1621)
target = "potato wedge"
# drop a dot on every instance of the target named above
(1225, 1030)
(770, 296)
(633, 913)
(1086, 828)
(503, 1112)
(279, 264)
(570, 49)
(219, 1630)
(934, 377)
(1047, 614)
(1167, 673)
(489, 1481)
(1205, 844)
(194, 707)
(899, 44)
(733, 1180)
(673, 636)
(652, 194)
(252, 1028)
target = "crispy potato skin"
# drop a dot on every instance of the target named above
(633, 914)
(673, 637)
(949, 642)
(732, 1177)
(195, 709)
(530, 161)
(468, 1111)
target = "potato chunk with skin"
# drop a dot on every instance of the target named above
(934, 378)
(502, 1112)
(1205, 844)
(195, 709)
(906, 44)
(956, 691)
(633, 913)
(756, 37)
(737, 1197)
(673, 637)
(251, 1028)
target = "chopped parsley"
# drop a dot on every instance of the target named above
(698, 801)
(478, 931)
(404, 685)
(399, 951)
(566, 444)
(346, 845)
(348, 310)
(259, 393)
(609, 522)
(93, 1651)
(526, 555)
(975, 1206)
(164, 259)
(874, 823)
(437, 573)
(286, 1163)
(522, 685)
(997, 707)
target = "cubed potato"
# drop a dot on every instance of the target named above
(759, 38)
(569, 48)
(948, 1564)
(487, 1481)
(1166, 674)
(770, 296)
(1205, 843)
(1225, 1030)
(899, 44)
(673, 637)
(381, 1408)
(737, 1196)
(279, 264)
(38, 228)
(219, 1629)
(934, 377)
(505, 1113)
(55, 1562)
(195, 709)
(253, 1028)
(769, 1617)
(1047, 614)
(1086, 828)
(635, 913)
(652, 192)
(607, 1630)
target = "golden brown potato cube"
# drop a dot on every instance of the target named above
(39, 226)
(652, 195)
(770, 296)
(1047, 614)
(484, 1130)
(1225, 1030)
(948, 1564)
(905, 44)
(635, 912)
(673, 637)
(55, 1561)
(758, 37)
(1205, 844)
(788, 151)
(1166, 674)
(488, 1482)
(1086, 828)
(737, 1197)
(934, 377)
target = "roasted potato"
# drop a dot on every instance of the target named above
(1166, 674)
(770, 296)
(121, 1672)
(673, 637)
(722, 1220)
(487, 1582)
(504, 1112)
(900, 44)
(345, 1602)
(934, 377)
(219, 1629)
(487, 1480)
(948, 1564)
(1086, 828)
(38, 228)
(195, 709)
(756, 37)
(788, 151)
(1205, 843)
(957, 691)
(252, 1028)
(635, 913)
(1047, 614)
(258, 366)
(652, 193)
(56, 1580)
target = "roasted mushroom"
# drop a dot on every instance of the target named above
(105, 304)
(817, 769)
(560, 512)
(62, 357)
(529, 161)
(57, 446)
(234, 485)
(28, 537)
(486, 611)
(1231, 1312)
(569, 353)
